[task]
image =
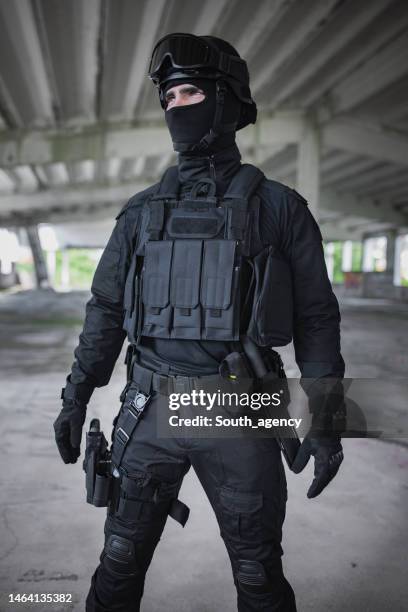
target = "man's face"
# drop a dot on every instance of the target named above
(182, 95)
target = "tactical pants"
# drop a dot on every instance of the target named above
(244, 480)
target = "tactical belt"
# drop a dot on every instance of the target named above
(166, 384)
(148, 380)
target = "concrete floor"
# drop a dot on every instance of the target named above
(344, 550)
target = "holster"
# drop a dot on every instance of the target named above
(97, 466)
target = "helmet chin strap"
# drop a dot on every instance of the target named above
(217, 127)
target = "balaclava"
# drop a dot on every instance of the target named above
(190, 123)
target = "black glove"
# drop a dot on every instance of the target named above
(68, 429)
(328, 455)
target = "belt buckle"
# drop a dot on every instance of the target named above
(122, 436)
(138, 403)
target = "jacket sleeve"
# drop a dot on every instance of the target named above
(316, 334)
(101, 339)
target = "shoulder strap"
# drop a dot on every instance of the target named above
(169, 185)
(237, 200)
(168, 188)
(245, 182)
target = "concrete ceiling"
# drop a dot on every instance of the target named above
(81, 128)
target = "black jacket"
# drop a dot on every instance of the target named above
(285, 222)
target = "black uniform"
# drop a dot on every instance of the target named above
(249, 495)
(285, 223)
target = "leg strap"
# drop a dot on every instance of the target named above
(130, 414)
(179, 511)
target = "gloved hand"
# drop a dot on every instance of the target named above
(68, 429)
(328, 455)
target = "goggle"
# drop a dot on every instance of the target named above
(188, 52)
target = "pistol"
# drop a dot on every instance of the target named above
(97, 466)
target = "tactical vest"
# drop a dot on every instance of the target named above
(184, 281)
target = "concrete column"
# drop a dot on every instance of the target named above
(51, 267)
(397, 260)
(308, 166)
(347, 256)
(391, 251)
(65, 269)
(40, 266)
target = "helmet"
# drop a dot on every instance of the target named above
(181, 55)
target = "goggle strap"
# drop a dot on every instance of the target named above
(217, 127)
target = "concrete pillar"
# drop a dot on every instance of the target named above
(391, 251)
(400, 247)
(51, 267)
(347, 256)
(40, 266)
(65, 269)
(380, 283)
(308, 166)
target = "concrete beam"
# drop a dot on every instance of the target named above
(97, 212)
(98, 142)
(352, 228)
(352, 167)
(68, 198)
(291, 35)
(358, 51)
(346, 24)
(211, 13)
(265, 16)
(73, 75)
(368, 140)
(379, 72)
(150, 20)
(40, 265)
(281, 128)
(24, 87)
(350, 205)
(334, 233)
(102, 200)
(126, 141)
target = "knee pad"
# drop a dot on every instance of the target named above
(252, 577)
(260, 583)
(119, 555)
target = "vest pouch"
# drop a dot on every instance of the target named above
(219, 290)
(156, 289)
(271, 322)
(185, 289)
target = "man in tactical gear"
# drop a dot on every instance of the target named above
(212, 253)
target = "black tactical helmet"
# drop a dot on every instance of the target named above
(181, 55)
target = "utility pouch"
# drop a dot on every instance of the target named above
(235, 367)
(271, 322)
(156, 288)
(220, 290)
(185, 289)
(97, 466)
